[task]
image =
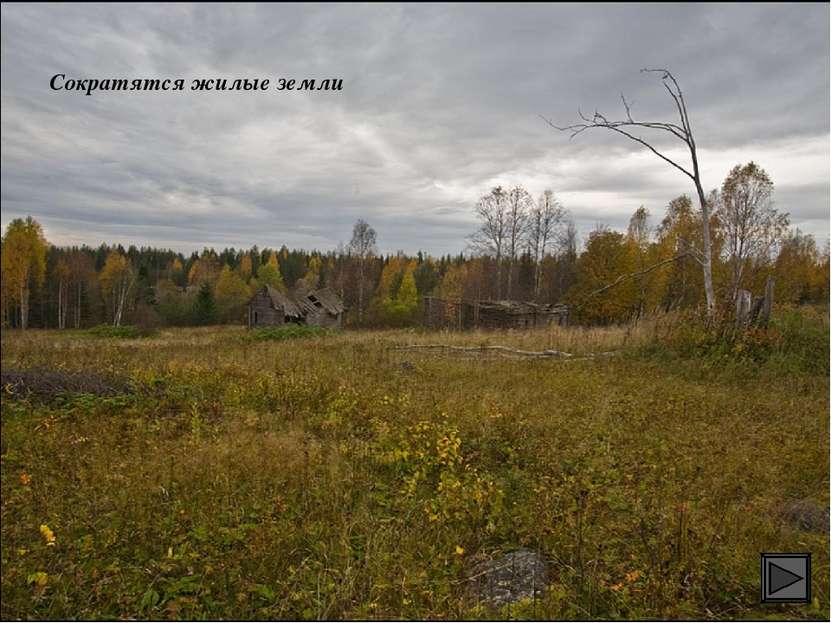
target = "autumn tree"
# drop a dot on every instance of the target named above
(269, 274)
(23, 264)
(231, 294)
(361, 248)
(313, 270)
(176, 272)
(117, 279)
(205, 269)
(607, 257)
(245, 268)
(389, 280)
(750, 224)
(406, 300)
(801, 273)
(452, 284)
(396, 297)
(680, 130)
(401, 304)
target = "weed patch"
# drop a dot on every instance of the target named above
(121, 332)
(287, 332)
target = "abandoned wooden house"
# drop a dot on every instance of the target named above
(461, 314)
(320, 308)
(323, 308)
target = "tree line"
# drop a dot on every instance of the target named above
(524, 249)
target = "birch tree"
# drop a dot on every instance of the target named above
(117, 279)
(546, 219)
(63, 275)
(490, 238)
(750, 223)
(520, 205)
(362, 247)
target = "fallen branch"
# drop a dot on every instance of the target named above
(539, 354)
(623, 278)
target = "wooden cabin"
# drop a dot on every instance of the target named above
(271, 308)
(323, 308)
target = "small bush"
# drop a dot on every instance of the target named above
(287, 332)
(796, 341)
(125, 332)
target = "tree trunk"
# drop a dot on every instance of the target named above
(360, 292)
(60, 292)
(706, 263)
(498, 275)
(767, 305)
(537, 282)
(743, 304)
(24, 308)
(78, 308)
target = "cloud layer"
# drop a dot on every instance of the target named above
(439, 103)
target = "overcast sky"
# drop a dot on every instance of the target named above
(439, 104)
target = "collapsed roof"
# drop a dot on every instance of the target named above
(324, 298)
(299, 305)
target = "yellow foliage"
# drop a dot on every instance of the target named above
(48, 535)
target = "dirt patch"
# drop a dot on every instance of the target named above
(49, 384)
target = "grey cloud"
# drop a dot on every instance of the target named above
(439, 102)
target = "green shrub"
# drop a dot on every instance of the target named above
(287, 332)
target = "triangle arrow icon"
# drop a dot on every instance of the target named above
(779, 578)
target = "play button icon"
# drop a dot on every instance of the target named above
(779, 578)
(786, 578)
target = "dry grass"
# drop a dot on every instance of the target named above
(321, 478)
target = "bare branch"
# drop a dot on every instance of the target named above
(600, 122)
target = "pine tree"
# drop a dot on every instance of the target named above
(204, 306)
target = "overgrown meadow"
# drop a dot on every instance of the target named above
(341, 475)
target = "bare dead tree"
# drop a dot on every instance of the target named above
(490, 238)
(682, 130)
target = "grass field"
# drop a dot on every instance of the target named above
(338, 476)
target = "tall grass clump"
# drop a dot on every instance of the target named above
(796, 341)
(287, 332)
(123, 332)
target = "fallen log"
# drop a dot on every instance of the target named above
(538, 354)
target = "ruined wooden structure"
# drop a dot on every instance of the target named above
(462, 314)
(320, 308)
(752, 311)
